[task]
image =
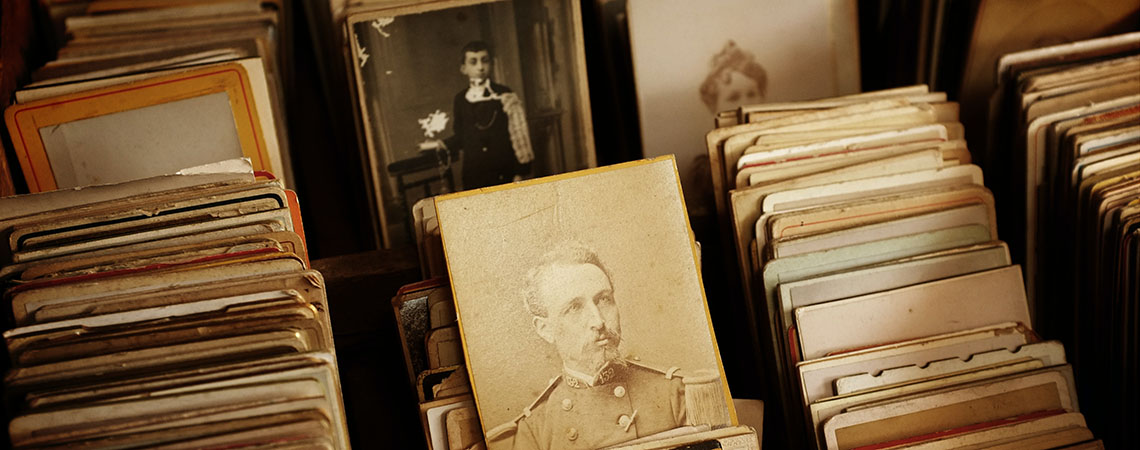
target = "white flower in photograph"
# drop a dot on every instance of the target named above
(434, 123)
(382, 22)
(361, 52)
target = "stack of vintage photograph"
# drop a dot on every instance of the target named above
(162, 88)
(1066, 129)
(174, 312)
(885, 306)
(433, 353)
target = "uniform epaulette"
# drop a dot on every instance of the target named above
(508, 428)
(669, 372)
(503, 431)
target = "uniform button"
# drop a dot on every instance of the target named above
(484, 148)
(567, 404)
(624, 420)
(572, 434)
(619, 391)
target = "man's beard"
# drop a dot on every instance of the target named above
(607, 354)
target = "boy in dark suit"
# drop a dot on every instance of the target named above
(490, 125)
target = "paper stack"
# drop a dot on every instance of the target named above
(172, 312)
(885, 306)
(140, 89)
(1065, 125)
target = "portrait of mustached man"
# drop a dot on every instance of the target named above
(600, 398)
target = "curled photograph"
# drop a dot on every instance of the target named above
(580, 303)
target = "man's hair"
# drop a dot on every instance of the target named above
(566, 253)
(474, 47)
(734, 58)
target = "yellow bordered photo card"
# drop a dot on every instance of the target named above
(581, 308)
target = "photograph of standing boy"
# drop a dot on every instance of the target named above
(489, 124)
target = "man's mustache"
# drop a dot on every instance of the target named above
(612, 337)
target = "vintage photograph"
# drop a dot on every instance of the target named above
(460, 95)
(740, 52)
(580, 302)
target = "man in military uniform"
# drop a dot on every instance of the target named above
(599, 399)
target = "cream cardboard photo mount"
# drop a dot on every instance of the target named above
(581, 308)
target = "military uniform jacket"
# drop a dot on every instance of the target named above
(627, 401)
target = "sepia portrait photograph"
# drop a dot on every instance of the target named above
(722, 56)
(580, 303)
(460, 95)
